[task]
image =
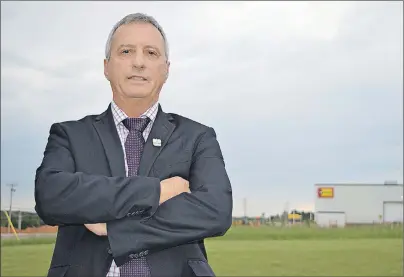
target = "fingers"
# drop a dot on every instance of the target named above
(100, 229)
(172, 187)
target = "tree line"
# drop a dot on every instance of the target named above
(22, 219)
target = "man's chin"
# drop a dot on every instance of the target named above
(138, 94)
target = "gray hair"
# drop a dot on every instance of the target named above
(132, 18)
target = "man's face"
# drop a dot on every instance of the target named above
(137, 67)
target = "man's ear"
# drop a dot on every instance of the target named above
(168, 69)
(106, 69)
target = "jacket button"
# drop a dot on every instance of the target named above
(109, 251)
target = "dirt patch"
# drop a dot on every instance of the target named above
(33, 230)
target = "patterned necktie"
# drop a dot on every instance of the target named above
(134, 145)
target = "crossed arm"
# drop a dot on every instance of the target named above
(66, 197)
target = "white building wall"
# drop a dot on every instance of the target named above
(361, 203)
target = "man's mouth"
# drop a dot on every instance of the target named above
(137, 78)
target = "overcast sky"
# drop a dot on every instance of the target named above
(298, 93)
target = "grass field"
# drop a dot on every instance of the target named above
(263, 251)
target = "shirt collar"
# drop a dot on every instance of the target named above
(119, 115)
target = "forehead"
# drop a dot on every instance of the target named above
(138, 33)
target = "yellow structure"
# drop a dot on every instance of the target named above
(12, 226)
(294, 217)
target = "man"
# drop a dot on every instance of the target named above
(134, 190)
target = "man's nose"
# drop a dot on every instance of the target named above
(138, 60)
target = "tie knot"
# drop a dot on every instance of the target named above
(138, 124)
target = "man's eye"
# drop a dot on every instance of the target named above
(153, 53)
(125, 51)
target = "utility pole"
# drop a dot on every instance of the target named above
(245, 207)
(19, 220)
(12, 189)
(285, 214)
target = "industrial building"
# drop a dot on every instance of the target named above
(344, 204)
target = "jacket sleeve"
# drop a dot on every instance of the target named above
(186, 218)
(64, 196)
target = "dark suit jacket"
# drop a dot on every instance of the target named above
(82, 180)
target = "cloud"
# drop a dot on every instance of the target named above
(298, 92)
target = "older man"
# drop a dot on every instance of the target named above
(134, 190)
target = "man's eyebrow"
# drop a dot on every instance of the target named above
(151, 46)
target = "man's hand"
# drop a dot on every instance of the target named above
(172, 187)
(100, 229)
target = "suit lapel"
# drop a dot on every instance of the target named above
(105, 126)
(162, 129)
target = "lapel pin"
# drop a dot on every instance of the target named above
(157, 142)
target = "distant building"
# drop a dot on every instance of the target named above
(342, 204)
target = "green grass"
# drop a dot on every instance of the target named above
(28, 241)
(263, 251)
(35, 259)
(363, 257)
